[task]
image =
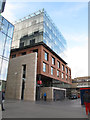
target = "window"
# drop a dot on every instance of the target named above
(58, 64)
(53, 60)
(69, 72)
(25, 36)
(32, 41)
(22, 44)
(66, 70)
(44, 67)
(23, 53)
(36, 32)
(24, 71)
(51, 70)
(57, 73)
(13, 56)
(66, 77)
(62, 76)
(63, 67)
(46, 56)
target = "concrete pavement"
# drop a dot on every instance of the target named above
(41, 109)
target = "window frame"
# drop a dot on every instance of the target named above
(14, 55)
(44, 67)
(31, 42)
(58, 63)
(57, 73)
(52, 70)
(46, 56)
(53, 61)
(62, 75)
(63, 67)
(66, 70)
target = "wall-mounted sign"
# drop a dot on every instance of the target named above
(39, 82)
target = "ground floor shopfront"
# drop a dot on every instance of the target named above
(52, 93)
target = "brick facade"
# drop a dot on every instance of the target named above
(41, 58)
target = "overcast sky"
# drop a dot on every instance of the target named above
(71, 18)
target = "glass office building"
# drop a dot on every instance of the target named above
(51, 35)
(6, 34)
(38, 27)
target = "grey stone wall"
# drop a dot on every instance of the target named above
(14, 78)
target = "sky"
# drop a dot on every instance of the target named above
(71, 18)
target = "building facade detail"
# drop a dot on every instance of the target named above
(38, 34)
(36, 28)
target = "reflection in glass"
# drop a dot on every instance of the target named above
(58, 64)
(7, 47)
(62, 76)
(51, 70)
(53, 60)
(0, 63)
(5, 44)
(2, 42)
(3, 75)
(46, 56)
(5, 26)
(10, 30)
(57, 73)
(44, 67)
(52, 37)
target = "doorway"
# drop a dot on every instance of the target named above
(23, 81)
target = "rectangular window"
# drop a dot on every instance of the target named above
(51, 70)
(22, 44)
(58, 64)
(36, 32)
(32, 41)
(62, 67)
(57, 73)
(66, 70)
(69, 72)
(53, 60)
(44, 67)
(24, 72)
(23, 53)
(46, 56)
(13, 56)
(62, 76)
(66, 77)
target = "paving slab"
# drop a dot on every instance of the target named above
(44, 109)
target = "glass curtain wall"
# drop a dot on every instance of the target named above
(6, 34)
(51, 35)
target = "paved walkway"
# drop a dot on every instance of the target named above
(41, 109)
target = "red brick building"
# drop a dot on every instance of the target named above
(38, 48)
(55, 67)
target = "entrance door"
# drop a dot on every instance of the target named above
(37, 93)
(23, 80)
(59, 94)
(22, 93)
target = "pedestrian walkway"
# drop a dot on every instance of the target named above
(44, 109)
